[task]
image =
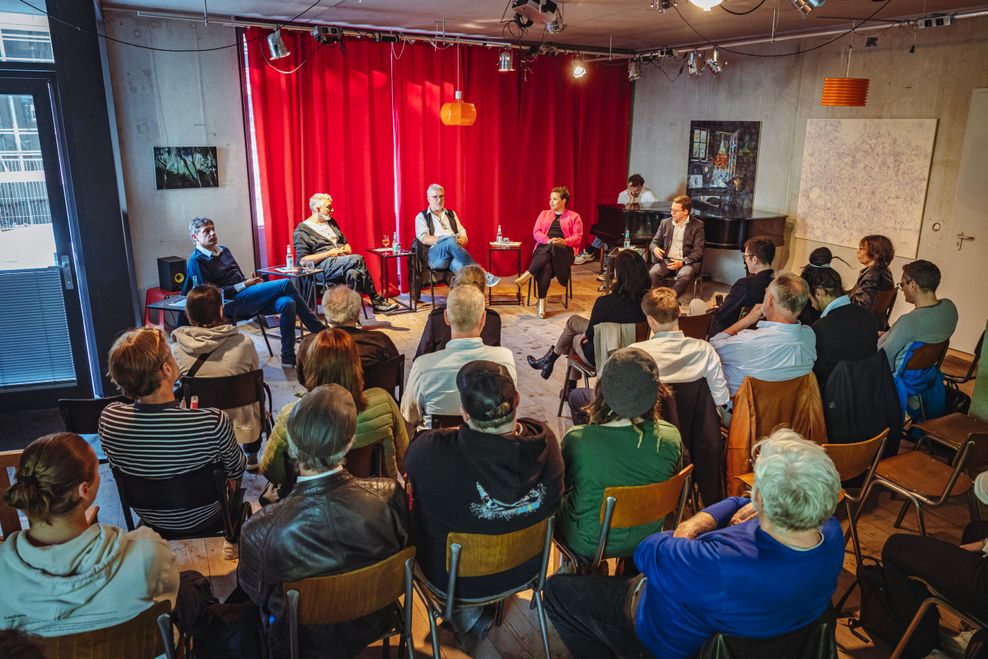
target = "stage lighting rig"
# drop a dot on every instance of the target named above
(530, 12)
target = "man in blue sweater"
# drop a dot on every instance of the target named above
(213, 264)
(757, 569)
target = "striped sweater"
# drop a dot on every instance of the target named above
(162, 440)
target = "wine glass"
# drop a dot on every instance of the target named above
(386, 240)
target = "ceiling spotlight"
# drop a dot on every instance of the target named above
(555, 26)
(634, 70)
(693, 64)
(579, 69)
(276, 45)
(714, 64)
(505, 61)
(662, 5)
(804, 7)
(707, 5)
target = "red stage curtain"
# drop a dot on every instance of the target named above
(331, 125)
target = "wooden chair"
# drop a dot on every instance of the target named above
(194, 489)
(148, 634)
(567, 292)
(579, 366)
(882, 305)
(630, 506)
(478, 555)
(230, 391)
(446, 421)
(388, 375)
(350, 595)
(697, 327)
(366, 461)
(952, 378)
(924, 356)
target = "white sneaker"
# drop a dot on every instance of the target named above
(230, 552)
(584, 257)
(602, 277)
(492, 280)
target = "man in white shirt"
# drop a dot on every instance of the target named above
(635, 193)
(780, 348)
(678, 246)
(431, 387)
(442, 234)
(680, 358)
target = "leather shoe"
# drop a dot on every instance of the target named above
(538, 363)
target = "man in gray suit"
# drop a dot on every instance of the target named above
(678, 246)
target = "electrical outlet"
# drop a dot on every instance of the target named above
(935, 21)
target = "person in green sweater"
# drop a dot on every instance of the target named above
(626, 443)
(332, 358)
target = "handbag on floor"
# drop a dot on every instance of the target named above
(883, 614)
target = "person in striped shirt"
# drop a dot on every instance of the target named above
(155, 438)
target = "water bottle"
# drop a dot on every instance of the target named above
(194, 403)
(500, 238)
(289, 259)
(627, 239)
(195, 281)
(395, 246)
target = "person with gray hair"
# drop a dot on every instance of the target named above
(431, 387)
(780, 348)
(442, 238)
(319, 243)
(759, 567)
(331, 522)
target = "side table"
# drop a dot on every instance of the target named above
(385, 254)
(493, 247)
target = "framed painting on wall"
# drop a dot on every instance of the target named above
(723, 159)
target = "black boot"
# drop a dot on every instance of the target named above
(541, 361)
(547, 366)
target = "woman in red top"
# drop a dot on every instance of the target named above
(558, 234)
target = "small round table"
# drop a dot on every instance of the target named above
(503, 247)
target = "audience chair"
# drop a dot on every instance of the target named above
(952, 378)
(388, 375)
(446, 421)
(567, 292)
(579, 366)
(81, 416)
(478, 555)
(350, 595)
(818, 640)
(193, 489)
(10, 520)
(366, 461)
(230, 391)
(703, 445)
(627, 507)
(148, 634)
(697, 327)
(882, 305)
(924, 356)
(935, 599)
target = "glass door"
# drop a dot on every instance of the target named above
(42, 341)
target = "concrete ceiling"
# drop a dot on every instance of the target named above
(632, 24)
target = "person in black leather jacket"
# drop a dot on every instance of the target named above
(331, 522)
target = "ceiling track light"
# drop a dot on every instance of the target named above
(715, 64)
(276, 45)
(579, 69)
(693, 66)
(707, 5)
(804, 7)
(634, 70)
(505, 61)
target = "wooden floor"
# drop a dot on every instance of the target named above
(525, 334)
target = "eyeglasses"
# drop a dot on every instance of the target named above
(902, 284)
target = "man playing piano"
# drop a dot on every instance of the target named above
(678, 246)
(637, 194)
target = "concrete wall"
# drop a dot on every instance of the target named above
(179, 99)
(934, 82)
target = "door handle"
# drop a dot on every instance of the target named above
(66, 266)
(961, 238)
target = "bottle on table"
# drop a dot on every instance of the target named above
(194, 403)
(627, 239)
(500, 238)
(289, 259)
(395, 245)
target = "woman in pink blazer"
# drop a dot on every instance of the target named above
(558, 234)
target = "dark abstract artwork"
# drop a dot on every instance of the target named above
(723, 159)
(185, 167)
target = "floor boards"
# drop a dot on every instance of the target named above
(525, 334)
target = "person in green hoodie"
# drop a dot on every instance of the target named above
(626, 443)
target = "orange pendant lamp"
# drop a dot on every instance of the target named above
(845, 92)
(458, 112)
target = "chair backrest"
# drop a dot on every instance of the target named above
(446, 421)
(81, 415)
(610, 337)
(9, 519)
(979, 401)
(366, 461)
(227, 392)
(853, 460)
(816, 640)
(645, 504)
(697, 327)
(482, 554)
(926, 356)
(201, 487)
(141, 636)
(882, 305)
(388, 375)
(351, 595)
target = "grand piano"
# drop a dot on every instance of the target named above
(723, 229)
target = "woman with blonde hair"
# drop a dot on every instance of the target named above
(436, 333)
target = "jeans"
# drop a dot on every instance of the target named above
(349, 268)
(683, 276)
(448, 254)
(594, 616)
(595, 245)
(280, 297)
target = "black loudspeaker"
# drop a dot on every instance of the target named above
(171, 273)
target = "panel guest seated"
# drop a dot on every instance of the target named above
(875, 253)
(155, 438)
(750, 289)
(319, 243)
(780, 348)
(678, 246)
(758, 568)
(436, 333)
(932, 321)
(342, 307)
(212, 348)
(331, 522)
(213, 264)
(494, 474)
(626, 443)
(442, 237)
(621, 305)
(634, 196)
(431, 387)
(332, 359)
(63, 575)
(558, 234)
(845, 331)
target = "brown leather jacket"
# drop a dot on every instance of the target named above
(331, 524)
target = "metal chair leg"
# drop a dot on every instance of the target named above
(542, 624)
(261, 322)
(854, 532)
(902, 513)
(434, 632)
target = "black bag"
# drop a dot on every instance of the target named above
(956, 401)
(217, 631)
(886, 616)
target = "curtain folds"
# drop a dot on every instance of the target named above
(362, 123)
